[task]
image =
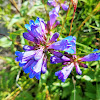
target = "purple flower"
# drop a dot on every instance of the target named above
(53, 16)
(55, 3)
(34, 58)
(71, 61)
(64, 6)
(52, 3)
(36, 31)
(64, 73)
(67, 44)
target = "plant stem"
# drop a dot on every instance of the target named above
(65, 19)
(72, 22)
(74, 82)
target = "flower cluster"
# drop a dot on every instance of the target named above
(34, 58)
(71, 61)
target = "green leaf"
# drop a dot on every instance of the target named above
(4, 42)
(15, 19)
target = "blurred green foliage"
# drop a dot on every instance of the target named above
(16, 85)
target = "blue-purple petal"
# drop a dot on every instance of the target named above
(64, 58)
(28, 36)
(55, 60)
(91, 57)
(27, 26)
(54, 37)
(28, 48)
(44, 65)
(60, 45)
(21, 64)
(31, 75)
(64, 73)
(79, 72)
(31, 22)
(65, 7)
(17, 53)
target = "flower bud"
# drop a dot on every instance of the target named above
(74, 2)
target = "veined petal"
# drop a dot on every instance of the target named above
(66, 44)
(31, 63)
(27, 55)
(28, 36)
(91, 57)
(28, 65)
(32, 74)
